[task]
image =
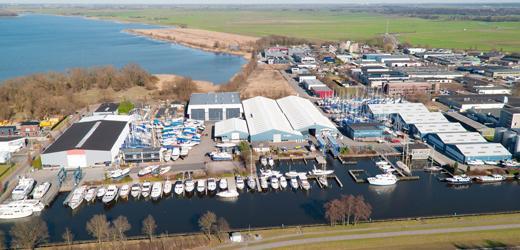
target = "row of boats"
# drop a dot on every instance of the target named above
(387, 178)
(25, 199)
(464, 179)
(508, 163)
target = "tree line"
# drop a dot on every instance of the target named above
(40, 95)
(347, 209)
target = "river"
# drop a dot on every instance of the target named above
(41, 43)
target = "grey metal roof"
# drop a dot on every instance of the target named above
(107, 107)
(215, 98)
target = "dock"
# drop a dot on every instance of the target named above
(354, 174)
(232, 185)
(332, 176)
(51, 194)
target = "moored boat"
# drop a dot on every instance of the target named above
(201, 186)
(189, 185)
(490, 178)
(212, 185)
(459, 180)
(23, 188)
(239, 182)
(251, 182)
(41, 190)
(304, 183)
(323, 180)
(168, 186)
(90, 195)
(222, 184)
(135, 190)
(124, 191)
(228, 194)
(101, 192)
(294, 182)
(274, 182)
(145, 189)
(270, 161)
(156, 192)
(164, 170)
(178, 188)
(283, 182)
(263, 183)
(111, 194)
(77, 197)
(263, 161)
(475, 162)
(383, 179)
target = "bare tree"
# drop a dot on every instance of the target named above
(99, 227)
(30, 233)
(206, 222)
(68, 237)
(221, 227)
(149, 227)
(121, 226)
(362, 209)
(348, 203)
(333, 211)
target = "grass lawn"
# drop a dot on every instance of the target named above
(325, 25)
(5, 170)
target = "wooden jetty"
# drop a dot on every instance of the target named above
(354, 174)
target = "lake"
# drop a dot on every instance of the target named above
(41, 43)
(425, 197)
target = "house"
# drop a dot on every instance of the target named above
(7, 130)
(234, 129)
(30, 128)
(214, 106)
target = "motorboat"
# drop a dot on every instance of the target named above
(135, 190)
(228, 194)
(145, 189)
(156, 192)
(382, 163)
(291, 174)
(167, 155)
(119, 173)
(90, 195)
(263, 161)
(270, 161)
(111, 194)
(304, 183)
(490, 178)
(294, 182)
(175, 153)
(222, 184)
(101, 192)
(178, 188)
(189, 185)
(221, 156)
(23, 189)
(459, 180)
(77, 197)
(274, 182)
(383, 179)
(492, 163)
(475, 162)
(184, 151)
(201, 186)
(212, 185)
(146, 171)
(124, 191)
(263, 183)
(20, 209)
(323, 180)
(318, 172)
(433, 169)
(40, 190)
(283, 182)
(240, 182)
(164, 170)
(168, 186)
(268, 173)
(510, 163)
(33, 204)
(251, 182)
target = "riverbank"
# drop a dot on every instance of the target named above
(211, 41)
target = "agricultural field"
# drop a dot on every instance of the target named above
(324, 25)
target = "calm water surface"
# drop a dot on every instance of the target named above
(41, 43)
(424, 197)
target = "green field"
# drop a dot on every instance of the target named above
(325, 25)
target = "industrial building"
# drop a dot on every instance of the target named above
(418, 151)
(11, 144)
(304, 116)
(385, 110)
(479, 151)
(403, 121)
(323, 92)
(365, 131)
(469, 124)
(441, 140)
(234, 129)
(107, 108)
(309, 84)
(510, 118)
(94, 140)
(140, 155)
(423, 129)
(409, 88)
(463, 103)
(214, 106)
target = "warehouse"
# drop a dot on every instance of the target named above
(423, 129)
(312, 83)
(383, 111)
(440, 140)
(107, 108)
(266, 122)
(481, 151)
(323, 92)
(11, 144)
(215, 106)
(92, 141)
(402, 121)
(304, 116)
(234, 129)
(365, 131)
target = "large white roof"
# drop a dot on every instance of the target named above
(302, 114)
(230, 125)
(263, 114)
(430, 128)
(461, 138)
(397, 108)
(119, 118)
(482, 149)
(423, 117)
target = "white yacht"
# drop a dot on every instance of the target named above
(212, 185)
(124, 191)
(304, 183)
(20, 209)
(167, 155)
(251, 182)
(111, 194)
(164, 170)
(168, 186)
(40, 190)
(178, 188)
(283, 182)
(222, 184)
(90, 195)
(490, 178)
(459, 180)
(323, 180)
(294, 182)
(201, 186)
(316, 171)
(263, 161)
(492, 163)
(475, 162)
(270, 161)
(147, 170)
(23, 189)
(135, 190)
(77, 197)
(119, 173)
(291, 174)
(176, 152)
(228, 194)
(274, 182)
(240, 182)
(101, 192)
(383, 179)
(145, 190)
(156, 190)
(189, 185)
(263, 183)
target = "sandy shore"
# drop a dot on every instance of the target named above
(212, 41)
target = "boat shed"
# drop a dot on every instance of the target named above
(107, 108)
(214, 106)
(234, 129)
(266, 122)
(139, 155)
(404, 120)
(440, 140)
(423, 129)
(304, 116)
(365, 131)
(94, 140)
(480, 151)
(384, 110)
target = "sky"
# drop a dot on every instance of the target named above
(245, 1)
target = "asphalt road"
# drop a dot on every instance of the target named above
(379, 235)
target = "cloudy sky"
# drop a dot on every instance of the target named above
(247, 1)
